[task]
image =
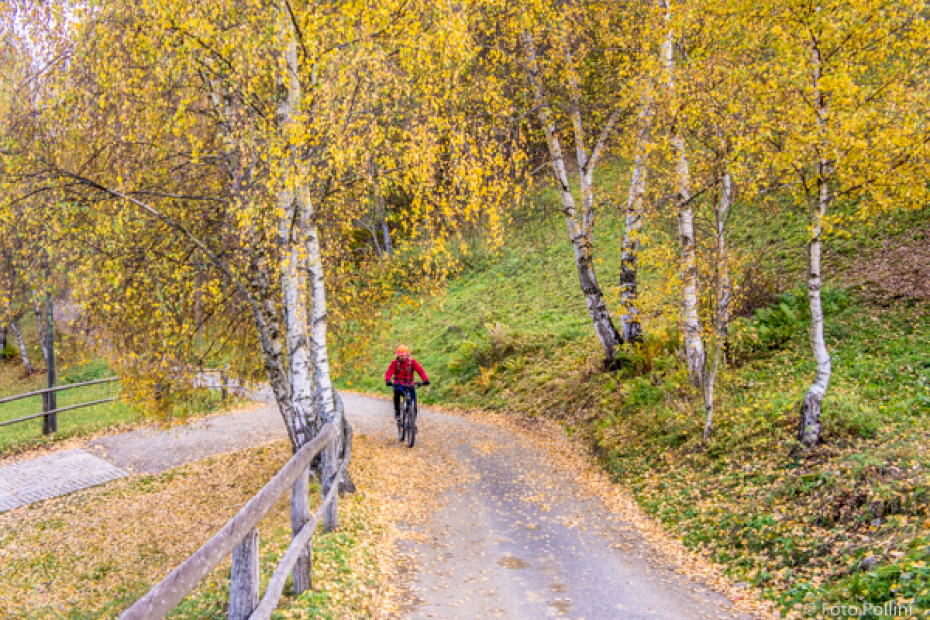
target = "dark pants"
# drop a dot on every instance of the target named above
(398, 394)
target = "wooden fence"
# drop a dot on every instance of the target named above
(50, 415)
(240, 538)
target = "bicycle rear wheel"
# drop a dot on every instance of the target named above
(412, 426)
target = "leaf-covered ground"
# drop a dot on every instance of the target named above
(90, 554)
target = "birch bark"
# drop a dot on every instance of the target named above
(580, 229)
(325, 394)
(724, 288)
(40, 326)
(258, 294)
(722, 307)
(324, 405)
(630, 325)
(294, 296)
(22, 348)
(292, 233)
(694, 342)
(809, 426)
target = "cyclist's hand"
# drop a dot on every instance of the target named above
(425, 383)
(389, 384)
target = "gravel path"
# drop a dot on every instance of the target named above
(513, 537)
(153, 450)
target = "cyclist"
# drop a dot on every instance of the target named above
(400, 374)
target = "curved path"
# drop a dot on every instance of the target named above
(514, 537)
(508, 533)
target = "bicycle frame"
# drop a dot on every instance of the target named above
(408, 393)
(406, 423)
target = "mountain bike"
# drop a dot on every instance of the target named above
(407, 422)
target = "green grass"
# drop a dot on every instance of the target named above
(511, 332)
(83, 421)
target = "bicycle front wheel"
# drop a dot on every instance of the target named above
(412, 426)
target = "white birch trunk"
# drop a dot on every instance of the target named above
(809, 426)
(259, 294)
(318, 324)
(325, 394)
(273, 346)
(22, 348)
(293, 294)
(694, 342)
(632, 330)
(722, 308)
(292, 235)
(724, 288)
(40, 326)
(580, 231)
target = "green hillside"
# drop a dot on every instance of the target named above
(846, 522)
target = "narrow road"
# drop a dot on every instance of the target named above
(513, 536)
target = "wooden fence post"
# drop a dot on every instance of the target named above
(49, 399)
(330, 477)
(300, 515)
(243, 581)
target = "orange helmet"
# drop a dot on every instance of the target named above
(403, 350)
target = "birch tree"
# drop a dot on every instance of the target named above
(633, 223)
(210, 156)
(709, 115)
(572, 36)
(239, 156)
(845, 122)
(690, 319)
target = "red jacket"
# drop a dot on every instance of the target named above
(402, 372)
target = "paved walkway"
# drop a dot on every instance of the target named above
(153, 450)
(516, 536)
(52, 475)
(144, 451)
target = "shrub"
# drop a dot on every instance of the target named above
(498, 346)
(656, 353)
(464, 359)
(773, 326)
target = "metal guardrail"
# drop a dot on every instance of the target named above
(57, 388)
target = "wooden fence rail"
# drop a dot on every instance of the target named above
(224, 387)
(57, 388)
(239, 537)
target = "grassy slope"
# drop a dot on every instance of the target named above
(511, 332)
